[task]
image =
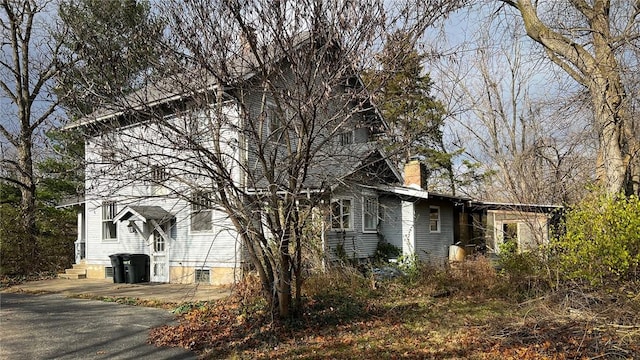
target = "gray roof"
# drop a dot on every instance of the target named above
(337, 165)
(182, 85)
(144, 213)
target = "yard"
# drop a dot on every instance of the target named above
(468, 313)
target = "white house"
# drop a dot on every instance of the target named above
(156, 166)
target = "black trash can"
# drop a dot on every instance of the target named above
(136, 268)
(118, 267)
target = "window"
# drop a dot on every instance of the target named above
(434, 219)
(341, 214)
(109, 228)
(203, 276)
(106, 148)
(158, 242)
(369, 214)
(510, 232)
(201, 212)
(275, 125)
(108, 272)
(158, 175)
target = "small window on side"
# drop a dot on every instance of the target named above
(434, 219)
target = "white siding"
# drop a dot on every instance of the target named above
(216, 248)
(125, 181)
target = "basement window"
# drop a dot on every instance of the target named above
(108, 272)
(203, 276)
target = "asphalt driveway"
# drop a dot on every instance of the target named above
(52, 326)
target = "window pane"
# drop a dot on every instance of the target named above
(346, 214)
(336, 215)
(434, 219)
(109, 230)
(109, 211)
(158, 243)
(370, 209)
(201, 220)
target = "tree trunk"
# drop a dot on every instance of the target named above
(28, 243)
(284, 279)
(597, 69)
(612, 161)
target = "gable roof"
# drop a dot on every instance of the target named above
(183, 85)
(143, 213)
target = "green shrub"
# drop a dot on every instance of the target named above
(601, 240)
(386, 251)
(523, 273)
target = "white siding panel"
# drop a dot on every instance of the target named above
(408, 227)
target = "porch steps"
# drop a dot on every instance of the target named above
(79, 271)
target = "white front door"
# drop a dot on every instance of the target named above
(159, 255)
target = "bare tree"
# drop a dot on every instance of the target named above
(268, 114)
(530, 134)
(29, 64)
(590, 41)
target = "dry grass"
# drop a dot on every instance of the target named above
(460, 313)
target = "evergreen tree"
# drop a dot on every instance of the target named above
(111, 47)
(402, 91)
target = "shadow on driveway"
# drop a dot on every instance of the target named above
(52, 326)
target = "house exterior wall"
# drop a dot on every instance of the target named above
(354, 243)
(433, 247)
(125, 182)
(391, 220)
(532, 228)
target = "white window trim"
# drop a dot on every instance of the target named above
(439, 219)
(198, 280)
(340, 199)
(376, 214)
(103, 221)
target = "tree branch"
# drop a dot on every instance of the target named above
(12, 139)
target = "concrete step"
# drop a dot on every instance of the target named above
(79, 271)
(76, 271)
(72, 276)
(80, 266)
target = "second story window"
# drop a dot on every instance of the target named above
(158, 176)
(201, 212)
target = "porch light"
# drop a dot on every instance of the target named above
(131, 226)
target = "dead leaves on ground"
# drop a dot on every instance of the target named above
(398, 328)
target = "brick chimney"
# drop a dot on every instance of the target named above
(415, 174)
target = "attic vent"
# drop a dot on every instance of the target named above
(346, 138)
(108, 272)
